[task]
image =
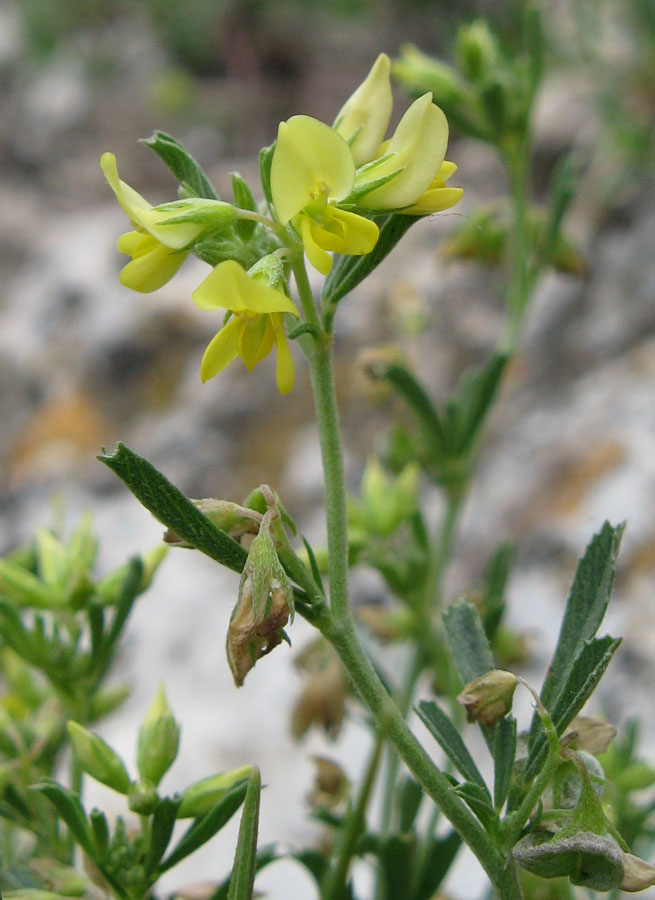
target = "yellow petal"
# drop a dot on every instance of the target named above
(255, 340)
(417, 150)
(434, 201)
(284, 371)
(228, 286)
(142, 214)
(310, 161)
(149, 271)
(221, 350)
(360, 233)
(364, 117)
(321, 260)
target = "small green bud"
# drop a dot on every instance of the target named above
(386, 502)
(107, 699)
(97, 758)
(419, 73)
(142, 798)
(213, 215)
(201, 796)
(476, 50)
(235, 520)
(264, 605)
(159, 740)
(488, 698)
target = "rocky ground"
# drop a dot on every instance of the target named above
(84, 363)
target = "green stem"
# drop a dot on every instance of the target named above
(334, 882)
(517, 165)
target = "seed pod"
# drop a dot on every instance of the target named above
(589, 860)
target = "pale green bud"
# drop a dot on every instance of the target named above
(235, 520)
(363, 119)
(476, 50)
(489, 697)
(385, 501)
(97, 758)
(264, 605)
(201, 796)
(213, 215)
(107, 699)
(159, 740)
(419, 72)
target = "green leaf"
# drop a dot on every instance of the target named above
(479, 802)
(348, 271)
(588, 668)
(450, 741)
(243, 872)
(467, 641)
(71, 811)
(397, 855)
(173, 509)
(585, 608)
(504, 755)
(205, 828)
(493, 589)
(473, 397)
(100, 830)
(410, 796)
(102, 657)
(191, 177)
(265, 856)
(243, 199)
(265, 162)
(437, 859)
(163, 822)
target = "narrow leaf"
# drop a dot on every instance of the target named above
(265, 856)
(504, 754)
(585, 608)
(587, 671)
(178, 159)
(173, 509)
(450, 741)
(474, 397)
(436, 862)
(163, 822)
(130, 589)
(478, 800)
(204, 829)
(467, 641)
(100, 831)
(243, 871)
(409, 801)
(71, 811)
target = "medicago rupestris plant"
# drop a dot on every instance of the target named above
(342, 197)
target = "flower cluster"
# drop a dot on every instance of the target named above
(326, 189)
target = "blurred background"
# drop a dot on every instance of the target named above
(84, 362)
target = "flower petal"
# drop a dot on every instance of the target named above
(317, 256)
(255, 340)
(149, 270)
(228, 286)
(417, 148)
(310, 160)
(360, 234)
(142, 214)
(364, 117)
(221, 350)
(433, 201)
(284, 370)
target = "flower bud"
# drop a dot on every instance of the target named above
(159, 739)
(201, 796)
(97, 758)
(330, 784)
(637, 874)
(235, 520)
(476, 50)
(364, 117)
(264, 605)
(488, 698)
(419, 72)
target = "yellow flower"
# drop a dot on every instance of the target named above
(312, 171)
(256, 325)
(414, 153)
(157, 250)
(364, 117)
(437, 197)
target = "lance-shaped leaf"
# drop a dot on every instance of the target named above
(72, 812)
(585, 609)
(191, 177)
(436, 861)
(504, 755)
(205, 828)
(173, 509)
(450, 741)
(161, 830)
(243, 871)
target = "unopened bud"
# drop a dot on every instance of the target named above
(476, 50)
(201, 796)
(97, 758)
(488, 698)
(159, 740)
(419, 72)
(264, 605)
(229, 517)
(330, 784)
